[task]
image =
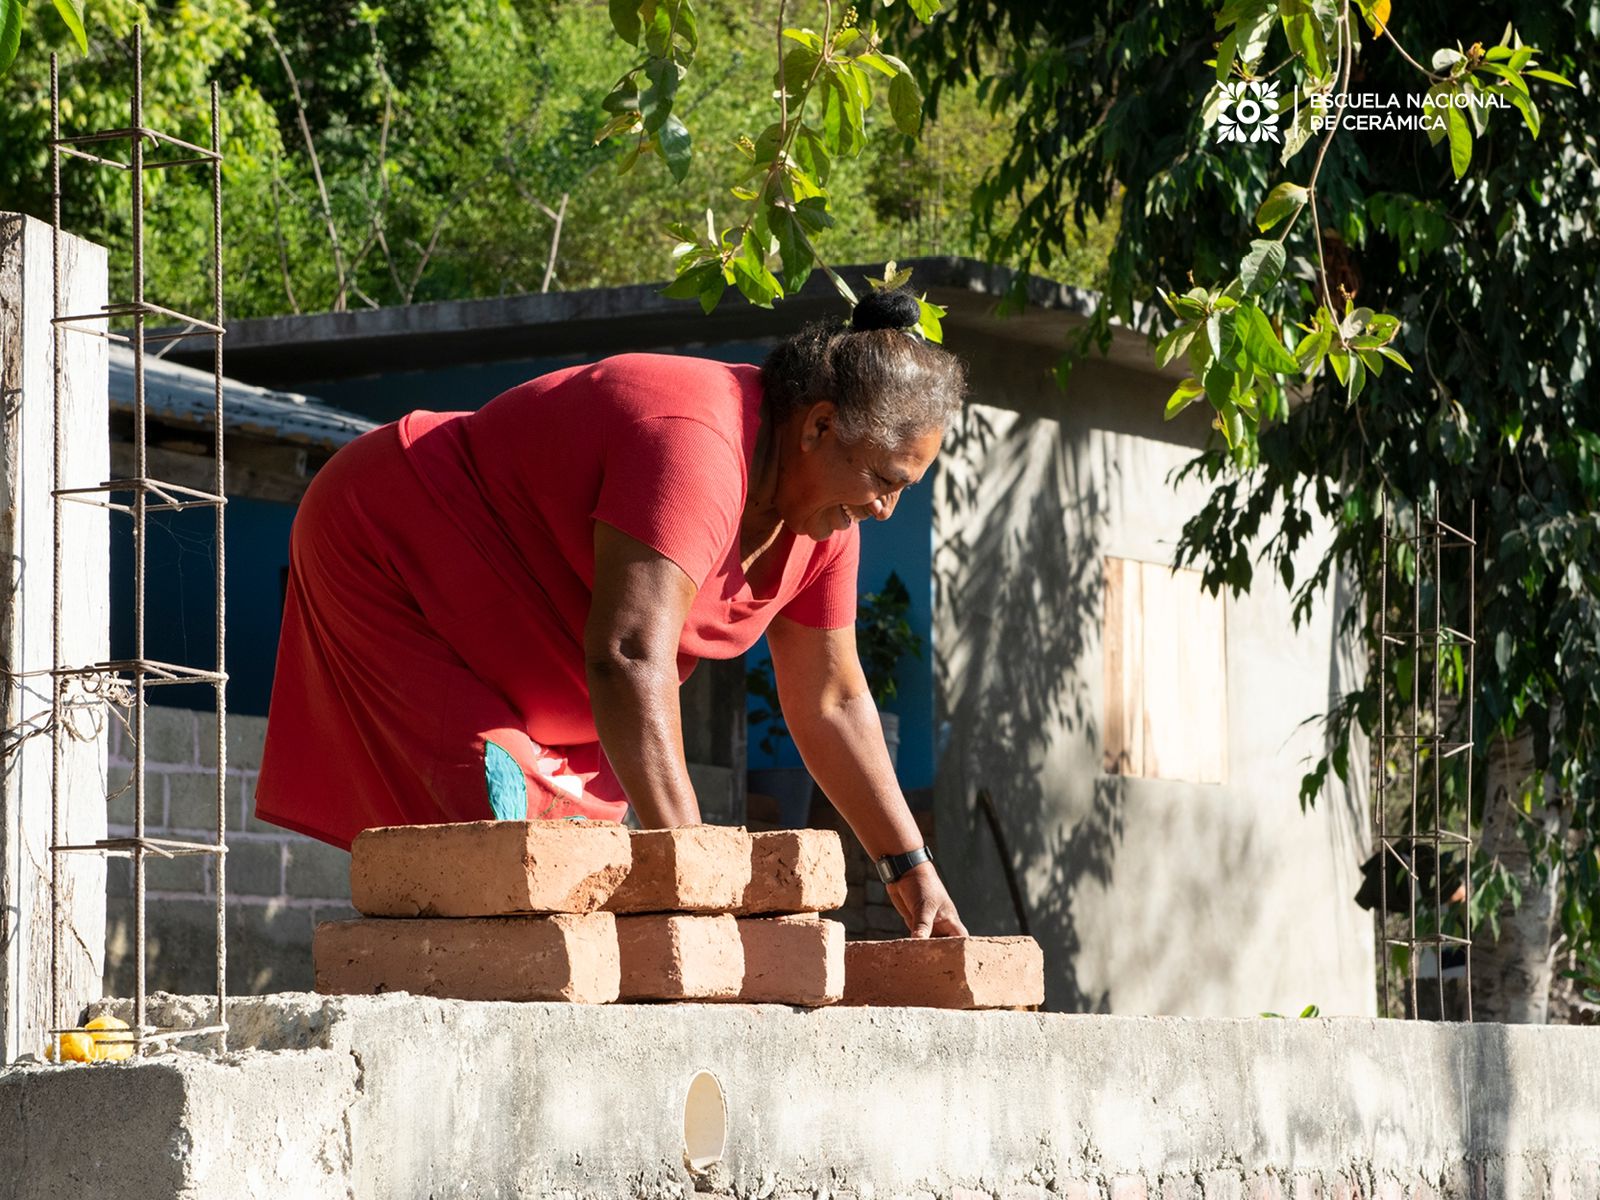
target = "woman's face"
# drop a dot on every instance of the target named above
(825, 485)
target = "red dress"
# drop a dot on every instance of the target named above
(441, 569)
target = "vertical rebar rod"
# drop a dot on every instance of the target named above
(1472, 659)
(222, 699)
(56, 340)
(137, 174)
(1381, 789)
(1438, 759)
(1416, 701)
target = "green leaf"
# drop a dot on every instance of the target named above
(924, 8)
(1460, 141)
(1281, 201)
(1395, 357)
(813, 213)
(1548, 76)
(1261, 343)
(750, 273)
(794, 253)
(905, 104)
(1311, 349)
(1297, 134)
(1218, 380)
(1262, 266)
(798, 66)
(10, 32)
(1232, 423)
(72, 16)
(1226, 53)
(623, 98)
(625, 20)
(877, 62)
(1185, 394)
(658, 33)
(1437, 103)
(690, 283)
(674, 139)
(621, 123)
(811, 155)
(655, 102)
(1174, 344)
(930, 320)
(1304, 34)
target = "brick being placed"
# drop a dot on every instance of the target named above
(795, 871)
(792, 960)
(680, 956)
(487, 868)
(945, 972)
(559, 957)
(694, 868)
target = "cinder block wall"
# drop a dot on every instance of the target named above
(279, 883)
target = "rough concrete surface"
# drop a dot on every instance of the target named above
(411, 1097)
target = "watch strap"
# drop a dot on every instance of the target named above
(893, 867)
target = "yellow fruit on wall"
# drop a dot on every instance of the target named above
(75, 1047)
(109, 1044)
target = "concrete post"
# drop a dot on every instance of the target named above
(27, 451)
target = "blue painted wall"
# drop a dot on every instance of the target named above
(180, 597)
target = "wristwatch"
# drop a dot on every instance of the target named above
(892, 867)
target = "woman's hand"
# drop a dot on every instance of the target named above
(835, 726)
(925, 906)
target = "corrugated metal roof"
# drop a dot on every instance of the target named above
(184, 396)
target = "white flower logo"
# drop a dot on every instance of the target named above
(1249, 112)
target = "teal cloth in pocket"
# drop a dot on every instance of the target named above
(508, 788)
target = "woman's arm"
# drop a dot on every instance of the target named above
(630, 644)
(830, 714)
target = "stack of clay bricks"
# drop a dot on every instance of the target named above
(592, 913)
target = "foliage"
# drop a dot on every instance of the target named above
(445, 138)
(788, 162)
(1487, 275)
(11, 22)
(884, 636)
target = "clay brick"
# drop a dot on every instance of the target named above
(792, 960)
(1127, 1187)
(695, 868)
(677, 956)
(560, 957)
(1264, 1187)
(795, 871)
(487, 868)
(981, 972)
(1223, 1185)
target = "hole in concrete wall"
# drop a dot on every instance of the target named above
(705, 1122)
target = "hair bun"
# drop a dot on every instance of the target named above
(884, 309)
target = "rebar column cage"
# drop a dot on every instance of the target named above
(148, 150)
(1425, 756)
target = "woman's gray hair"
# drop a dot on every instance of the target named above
(889, 386)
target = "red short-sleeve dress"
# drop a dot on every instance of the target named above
(441, 568)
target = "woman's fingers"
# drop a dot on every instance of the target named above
(925, 906)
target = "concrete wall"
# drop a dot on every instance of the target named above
(1148, 895)
(27, 539)
(399, 1096)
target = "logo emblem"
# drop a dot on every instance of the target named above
(1249, 112)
